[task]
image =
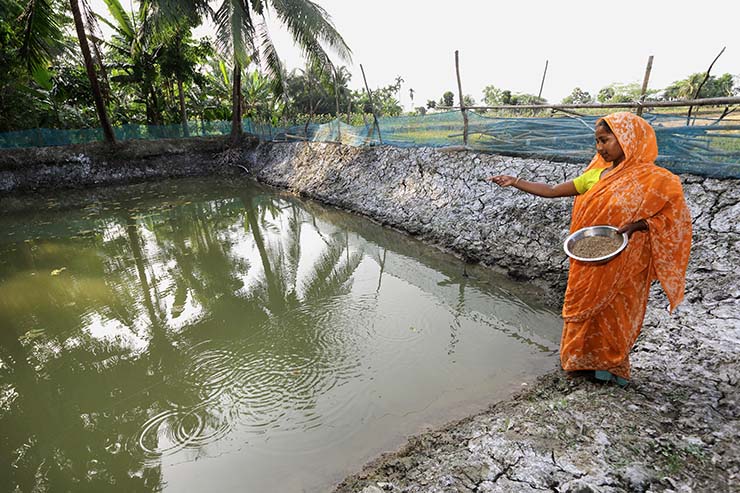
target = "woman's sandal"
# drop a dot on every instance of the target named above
(606, 376)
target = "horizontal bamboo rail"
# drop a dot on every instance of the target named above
(631, 104)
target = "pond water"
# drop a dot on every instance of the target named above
(216, 335)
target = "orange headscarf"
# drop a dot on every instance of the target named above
(636, 189)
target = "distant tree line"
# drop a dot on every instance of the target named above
(152, 71)
(715, 87)
(725, 85)
(59, 71)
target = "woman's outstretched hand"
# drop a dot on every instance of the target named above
(502, 180)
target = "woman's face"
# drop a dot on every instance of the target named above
(608, 146)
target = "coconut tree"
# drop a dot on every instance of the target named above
(134, 52)
(243, 34)
(243, 37)
(42, 40)
(42, 36)
(91, 73)
(179, 59)
(31, 34)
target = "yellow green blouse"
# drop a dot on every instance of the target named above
(587, 180)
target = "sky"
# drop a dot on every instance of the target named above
(587, 44)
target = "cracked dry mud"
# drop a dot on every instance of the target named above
(674, 428)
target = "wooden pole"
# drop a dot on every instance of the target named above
(706, 77)
(372, 104)
(285, 106)
(645, 81)
(336, 101)
(542, 84)
(462, 102)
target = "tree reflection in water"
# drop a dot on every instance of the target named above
(153, 329)
(140, 327)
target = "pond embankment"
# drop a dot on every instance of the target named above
(674, 428)
(85, 165)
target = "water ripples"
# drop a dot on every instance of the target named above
(173, 430)
(273, 380)
(309, 367)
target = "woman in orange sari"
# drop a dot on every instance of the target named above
(605, 304)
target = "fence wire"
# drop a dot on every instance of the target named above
(708, 147)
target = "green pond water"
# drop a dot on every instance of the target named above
(215, 335)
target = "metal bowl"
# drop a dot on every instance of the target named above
(609, 231)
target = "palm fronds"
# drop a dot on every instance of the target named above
(41, 34)
(310, 26)
(235, 30)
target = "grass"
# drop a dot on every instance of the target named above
(675, 456)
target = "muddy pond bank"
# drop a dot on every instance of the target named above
(87, 165)
(674, 428)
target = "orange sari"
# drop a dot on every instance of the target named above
(605, 304)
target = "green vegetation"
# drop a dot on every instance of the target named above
(494, 96)
(60, 72)
(151, 70)
(715, 87)
(578, 96)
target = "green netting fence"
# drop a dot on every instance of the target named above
(708, 147)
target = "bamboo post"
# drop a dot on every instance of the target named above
(645, 81)
(372, 104)
(706, 77)
(310, 102)
(542, 84)
(336, 101)
(285, 110)
(462, 102)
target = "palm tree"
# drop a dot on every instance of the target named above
(42, 38)
(91, 74)
(340, 89)
(178, 61)
(41, 35)
(243, 34)
(135, 51)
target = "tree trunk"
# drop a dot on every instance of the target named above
(105, 88)
(183, 110)
(275, 295)
(148, 105)
(157, 114)
(336, 101)
(97, 95)
(236, 107)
